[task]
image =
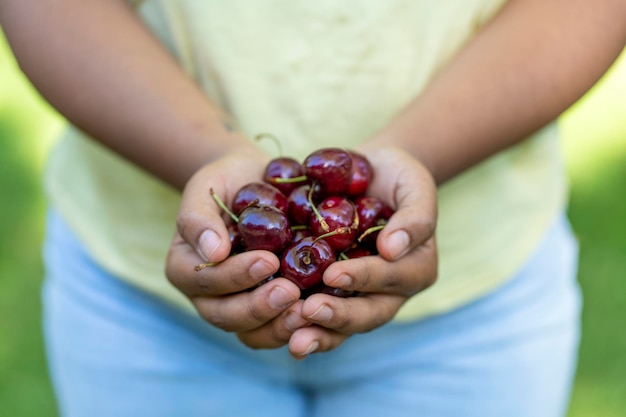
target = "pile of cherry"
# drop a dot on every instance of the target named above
(309, 214)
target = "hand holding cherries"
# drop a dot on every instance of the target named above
(309, 214)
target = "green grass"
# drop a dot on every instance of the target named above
(595, 143)
(26, 129)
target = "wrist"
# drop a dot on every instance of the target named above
(382, 145)
(213, 140)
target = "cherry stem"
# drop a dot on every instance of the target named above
(355, 220)
(274, 139)
(206, 265)
(299, 227)
(369, 231)
(254, 202)
(339, 231)
(325, 226)
(301, 178)
(343, 256)
(220, 203)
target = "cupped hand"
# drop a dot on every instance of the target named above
(226, 293)
(407, 263)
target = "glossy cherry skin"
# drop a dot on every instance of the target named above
(339, 214)
(361, 176)
(299, 208)
(284, 168)
(236, 245)
(371, 212)
(264, 227)
(331, 168)
(258, 193)
(357, 252)
(305, 261)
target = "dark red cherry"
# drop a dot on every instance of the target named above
(258, 193)
(362, 174)
(299, 233)
(304, 262)
(284, 168)
(299, 208)
(373, 215)
(236, 246)
(331, 168)
(264, 227)
(371, 210)
(356, 252)
(336, 214)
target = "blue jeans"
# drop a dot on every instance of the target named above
(114, 350)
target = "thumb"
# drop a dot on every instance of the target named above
(200, 222)
(413, 193)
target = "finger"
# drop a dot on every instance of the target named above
(248, 310)
(200, 222)
(407, 228)
(278, 331)
(235, 274)
(373, 274)
(314, 339)
(354, 314)
(410, 189)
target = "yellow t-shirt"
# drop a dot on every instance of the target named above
(316, 74)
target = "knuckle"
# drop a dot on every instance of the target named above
(429, 280)
(430, 228)
(241, 279)
(393, 283)
(183, 221)
(343, 320)
(255, 314)
(363, 278)
(280, 335)
(216, 318)
(188, 224)
(423, 230)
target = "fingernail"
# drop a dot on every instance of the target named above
(280, 298)
(312, 348)
(343, 281)
(323, 313)
(208, 244)
(261, 269)
(294, 322)
(398, 244)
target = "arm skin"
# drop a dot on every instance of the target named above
(99, 67)
(528, 65)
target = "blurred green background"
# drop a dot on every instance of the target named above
(595, 143)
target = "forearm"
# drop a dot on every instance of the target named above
(100, 68)
(534, 59)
